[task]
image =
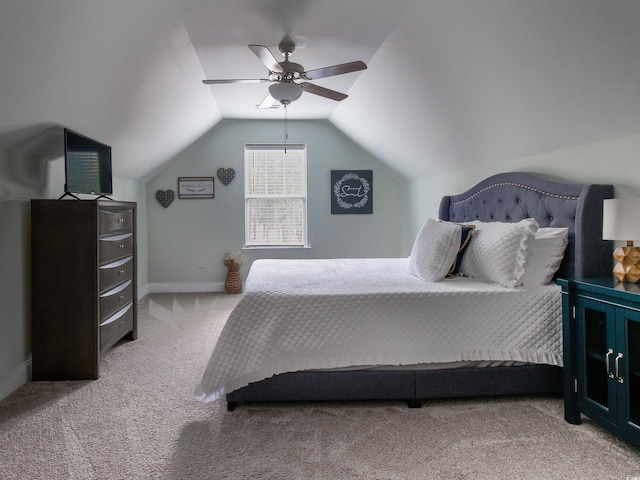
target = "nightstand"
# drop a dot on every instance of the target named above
(601, 338)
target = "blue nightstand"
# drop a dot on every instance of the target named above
(601, 332)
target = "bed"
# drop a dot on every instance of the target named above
(296, 336)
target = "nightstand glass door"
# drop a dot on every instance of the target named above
(630, 368)
(596, 385)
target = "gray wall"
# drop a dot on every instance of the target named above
(189, 230)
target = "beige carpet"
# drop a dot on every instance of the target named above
(140, 421)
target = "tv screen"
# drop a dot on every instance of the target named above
(87, 165)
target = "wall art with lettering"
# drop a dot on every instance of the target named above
(351, 191)
(195, 187)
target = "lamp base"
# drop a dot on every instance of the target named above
(627, 269)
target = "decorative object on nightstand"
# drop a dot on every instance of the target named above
(233, 282)
(601, 354)
(621, 221)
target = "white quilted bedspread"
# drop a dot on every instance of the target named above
(315, 314)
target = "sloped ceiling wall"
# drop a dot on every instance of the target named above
(462, 83)
(119, 71)
(450, 84)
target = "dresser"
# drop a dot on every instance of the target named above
(601, 339)
(83, 271)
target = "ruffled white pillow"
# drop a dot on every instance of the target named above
(498, 251)
(544, 255)
(434, 250)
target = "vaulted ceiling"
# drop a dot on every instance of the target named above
(449, 84)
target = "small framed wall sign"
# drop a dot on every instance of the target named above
(351, 191)
(195, 187)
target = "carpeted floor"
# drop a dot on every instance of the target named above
(140, 421)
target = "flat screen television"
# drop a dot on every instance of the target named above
(87, 164)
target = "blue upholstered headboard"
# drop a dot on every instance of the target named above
(511, 197)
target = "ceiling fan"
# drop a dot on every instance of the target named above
(290, 79)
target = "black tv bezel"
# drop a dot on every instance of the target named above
(101, 145)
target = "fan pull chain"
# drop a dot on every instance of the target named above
(286, 129)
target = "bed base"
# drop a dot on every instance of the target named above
(411, 386)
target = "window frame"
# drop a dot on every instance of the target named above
(302, 196)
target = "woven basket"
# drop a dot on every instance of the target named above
(233, 283)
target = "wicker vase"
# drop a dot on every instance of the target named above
(233, 283)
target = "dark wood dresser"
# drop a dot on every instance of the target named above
(83, 266)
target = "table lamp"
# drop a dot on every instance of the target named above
(621, 221)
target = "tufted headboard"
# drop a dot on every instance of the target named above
(511, 197)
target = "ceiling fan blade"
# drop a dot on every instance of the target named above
(335, 70)
(268, 102)
(235, 80)
(265, 55)
(323, 92)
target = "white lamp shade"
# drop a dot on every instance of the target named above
(621, 219)
(285, 92)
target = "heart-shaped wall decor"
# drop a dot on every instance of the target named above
(165, 197)
(225, 175)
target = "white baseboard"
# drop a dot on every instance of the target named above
(143, 291)
(185, 287)
(13, 380)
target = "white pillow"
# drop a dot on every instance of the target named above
(434, 250)
(544, 255)
(497, 253)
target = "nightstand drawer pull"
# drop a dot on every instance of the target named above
(618, 358)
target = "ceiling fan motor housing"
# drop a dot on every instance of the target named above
(287, 46)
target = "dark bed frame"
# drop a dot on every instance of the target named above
(506, 197)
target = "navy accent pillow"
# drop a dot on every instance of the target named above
(465, 238)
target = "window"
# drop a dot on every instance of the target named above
(275, 195)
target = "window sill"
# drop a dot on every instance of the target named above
(271, 249)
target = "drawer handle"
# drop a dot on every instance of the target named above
(121, 272)
(121, 220)
(122, 245)
(606, 360)
(121, 297)
(618, 358)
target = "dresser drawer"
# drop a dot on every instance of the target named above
(115, 247)
(113, 221)
(116, 327)
(116, 272)
(114, 299)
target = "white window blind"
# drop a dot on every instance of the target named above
(275, 195)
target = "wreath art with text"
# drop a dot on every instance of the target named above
(361, 192)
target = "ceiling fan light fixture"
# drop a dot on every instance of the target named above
(285, 92)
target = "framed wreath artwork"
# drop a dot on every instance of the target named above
(351, 191)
